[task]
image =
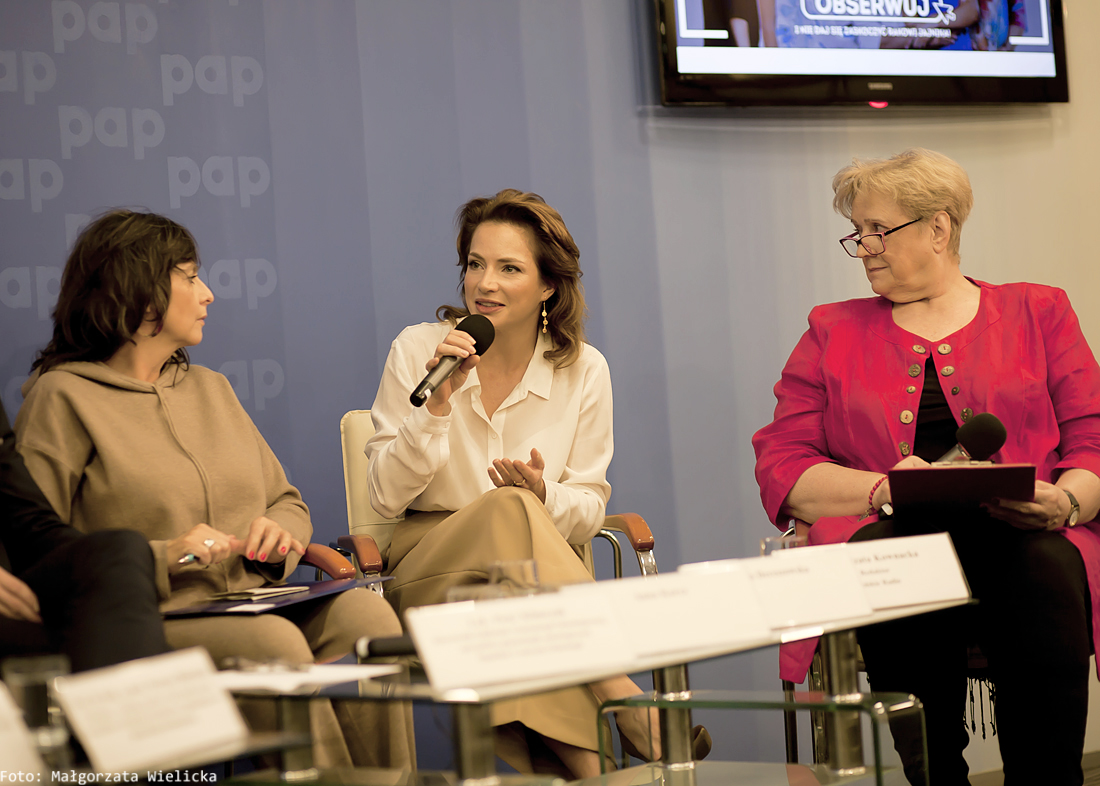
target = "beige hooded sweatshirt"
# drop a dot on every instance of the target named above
(112, 452)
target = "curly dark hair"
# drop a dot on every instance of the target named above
(119, 273)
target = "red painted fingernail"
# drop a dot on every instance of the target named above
(251, 555)
(282, 550)
(262, 557)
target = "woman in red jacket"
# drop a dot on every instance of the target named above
(885, 382)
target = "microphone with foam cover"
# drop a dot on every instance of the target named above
(481, 330)
(978, 439)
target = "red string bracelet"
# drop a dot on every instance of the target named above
(871, 496)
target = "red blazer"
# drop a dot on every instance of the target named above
(851, 388)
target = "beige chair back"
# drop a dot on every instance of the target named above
(356, 427)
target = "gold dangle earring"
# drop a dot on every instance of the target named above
(544, 322)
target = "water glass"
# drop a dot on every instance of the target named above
(769, 546)
(29, 680)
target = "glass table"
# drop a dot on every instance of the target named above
(729, 773)
(475, 758)
(675, 713)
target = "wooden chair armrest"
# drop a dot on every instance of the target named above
(365, 550)
(328, 560)
(634, 527)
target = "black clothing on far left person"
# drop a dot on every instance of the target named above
(96, 592)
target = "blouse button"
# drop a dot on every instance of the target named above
(947, 370)
(966, 413)
(911, 389)
(492, 435)
(955, 391)
(919, 349)
(944, 349)
(904, 448)
(906, 417)
(914, 370)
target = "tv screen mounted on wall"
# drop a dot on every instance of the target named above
(849, 52)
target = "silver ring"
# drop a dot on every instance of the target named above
(209, 542)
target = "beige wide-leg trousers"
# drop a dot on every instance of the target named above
(345, 733)
(432, 552)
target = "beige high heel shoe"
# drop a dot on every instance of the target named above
(701, 742)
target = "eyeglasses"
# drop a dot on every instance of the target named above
(873, 243)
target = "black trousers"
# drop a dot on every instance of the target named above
(98, 603)
(1033, 624)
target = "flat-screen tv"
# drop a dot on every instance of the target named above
(860, 52)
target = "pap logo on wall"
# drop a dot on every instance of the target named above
(25, 287)
(267, 380)
(225, 280)
(39, 73)
(212, 75)
(105, 22)
(252, 177)
(232, 3)
(38, 178)
(146, 128)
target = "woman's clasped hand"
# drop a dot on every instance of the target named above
(526, 474)
(266, 542)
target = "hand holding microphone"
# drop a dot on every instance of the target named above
(459, 352)
(976, 440)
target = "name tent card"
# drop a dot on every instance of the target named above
(508, 640)
(683, 611)
(139, 714)
(507, 646)
(898, 572)
(807, 586)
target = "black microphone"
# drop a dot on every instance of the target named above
(978, 439)
(481, 330)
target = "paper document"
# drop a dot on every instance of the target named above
(258, 593)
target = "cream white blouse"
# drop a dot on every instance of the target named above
(424, 462)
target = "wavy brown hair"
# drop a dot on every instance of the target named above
(556, 254)
(118, 273)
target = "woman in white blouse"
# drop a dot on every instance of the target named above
(508, 458)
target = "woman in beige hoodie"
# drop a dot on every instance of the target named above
(121, 432)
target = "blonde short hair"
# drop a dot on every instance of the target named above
(921, 182)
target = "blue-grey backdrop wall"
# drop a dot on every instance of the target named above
(319, 149)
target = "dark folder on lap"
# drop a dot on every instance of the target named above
(961, 484)
(313, 590)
